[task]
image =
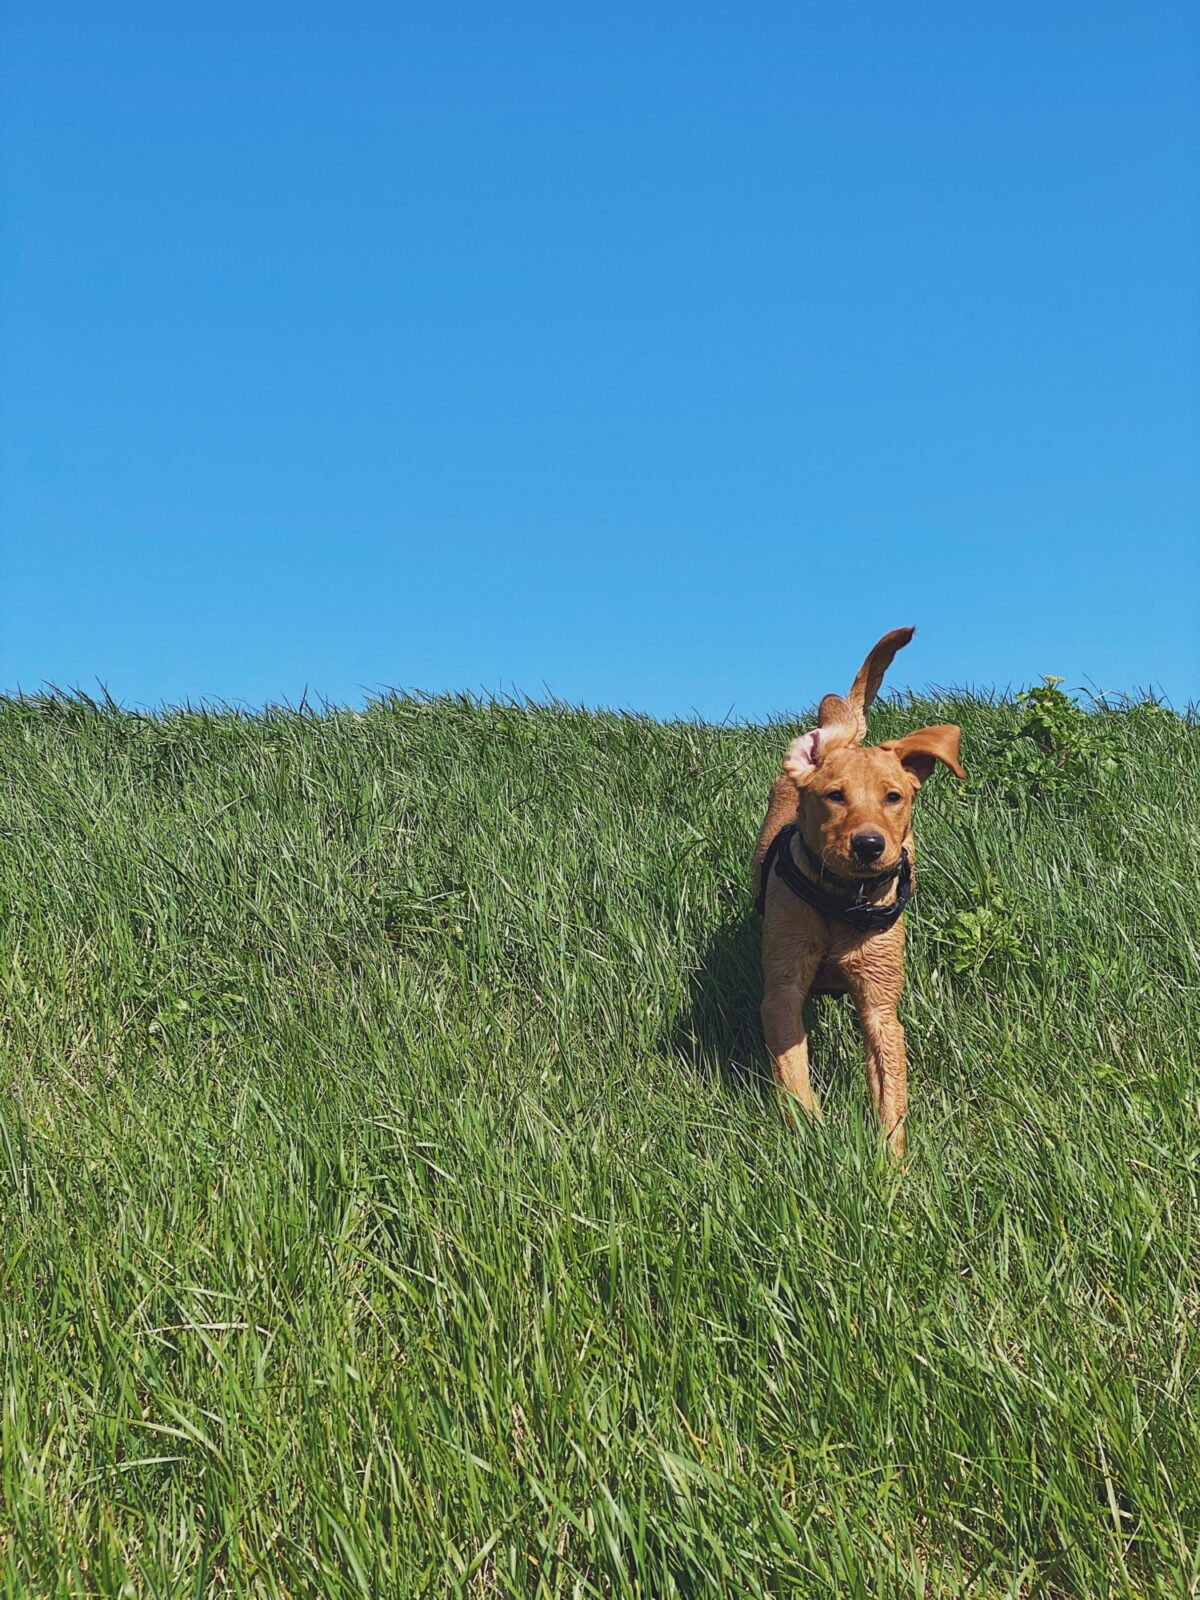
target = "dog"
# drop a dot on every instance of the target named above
(832, 873)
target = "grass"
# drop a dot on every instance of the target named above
(392, 1201)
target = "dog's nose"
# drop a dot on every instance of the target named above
(867, 846)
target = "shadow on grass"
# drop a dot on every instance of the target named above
(719, 1033)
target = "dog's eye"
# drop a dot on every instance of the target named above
(835, 794)
(893, 797)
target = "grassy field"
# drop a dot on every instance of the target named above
(392, 1201)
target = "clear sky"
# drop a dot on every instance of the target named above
(650, 355)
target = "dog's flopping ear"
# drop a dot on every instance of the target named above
(870, 676)
(802, 755)
(805, 754)
(919, 751)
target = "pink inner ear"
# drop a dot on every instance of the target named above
(803, 754)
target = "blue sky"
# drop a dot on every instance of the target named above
(651, 356)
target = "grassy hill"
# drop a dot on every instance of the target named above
(392, 1201)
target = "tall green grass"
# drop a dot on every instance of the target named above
(392, 1201)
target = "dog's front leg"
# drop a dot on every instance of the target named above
(887, 1066)
(786, 1039)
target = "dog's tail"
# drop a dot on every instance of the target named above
(850, 712)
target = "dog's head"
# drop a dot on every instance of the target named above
(855, 805)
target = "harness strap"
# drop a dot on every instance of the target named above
(860, 914)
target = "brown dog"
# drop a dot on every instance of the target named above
(832, 873)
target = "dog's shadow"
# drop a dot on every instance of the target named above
(718, 1032)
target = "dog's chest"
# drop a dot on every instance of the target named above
(860, 962)
(846, 958)
(830, 979)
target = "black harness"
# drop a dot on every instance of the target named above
(858, 913)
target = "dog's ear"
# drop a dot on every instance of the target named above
(919, 751)
(805, 754)
(802, 756)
